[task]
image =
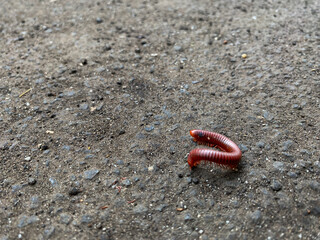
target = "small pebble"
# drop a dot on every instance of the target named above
(74, 191)
(86, 219)
(260, 144)
(32, 181)
(99, 20)
(256, 216)
(161, 207)
(286, 145)
(276, 185)
(243, 148)
(149, 128)
(278, 165)
(195, 180)
(188, 217)
(53, 182)
(292, 174)
(268, 116)
(65, 218)
(34, 202)
(90, 174)
(178, 48)
(120, 162)
(26, 220)
(49, 231)
(127, 182)
(84, 106)
(140, 209)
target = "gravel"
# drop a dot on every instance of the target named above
(97, 99)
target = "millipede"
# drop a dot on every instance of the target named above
(228, 157)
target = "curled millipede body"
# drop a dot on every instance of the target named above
(228, 157)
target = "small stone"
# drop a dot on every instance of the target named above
(84, 106)
(314, 185)
(116, 171)
(90, 174)
(40, 80)
(127, 182)
(288, 156)
(278, 165)
(292, 174)
(195, 180)
(136, 179)
(74, 191)
(276, 185)
(25, 220)
(86, 219)
(105, 160)
(244, 56)
(149, 128)
(120, 162)
(260, 144)
(188, 217)
(194, 235)
(243, 148)
(256, 217)
(43, 147)
(69, 93)
(140, 136)
(143, 42)
(152, 69)
(118, 67)
(305, 151)
(89, 156)
(268, 116)
(34, 202)
(204, 237)
(286, 145)
(49, 231)
(180, 175)
(59, 197)
(65, 218)
(189, 179)
(208, 218)
(53, 182)
(3, 144)
(232, 236)
(32, 181)
(161, 207)
(99, 20)
(140, 209)
(83, 61)
(66, 148)
(315, 211)
(100, 70)
(178, 48)
(296, 106)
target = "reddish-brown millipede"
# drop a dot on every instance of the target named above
(228, 157)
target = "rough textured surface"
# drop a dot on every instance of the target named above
(97, 148)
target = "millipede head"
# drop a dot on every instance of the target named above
(198, 135)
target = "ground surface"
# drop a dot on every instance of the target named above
(98, 97)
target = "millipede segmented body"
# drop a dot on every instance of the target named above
(228, 157)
